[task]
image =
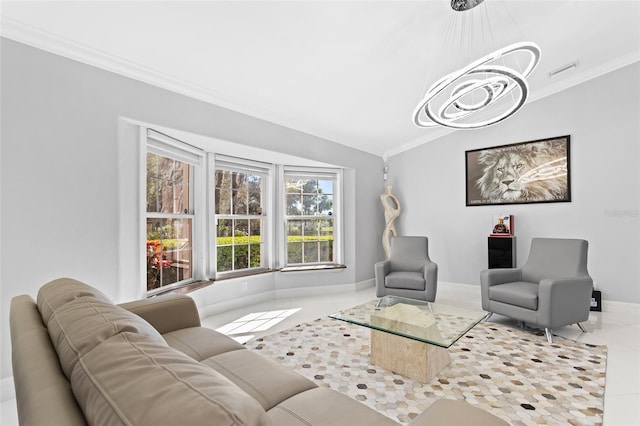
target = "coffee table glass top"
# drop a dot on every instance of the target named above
(428, 322)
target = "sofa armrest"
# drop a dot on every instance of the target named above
(43, 393)
(456, 412)
(166, 313)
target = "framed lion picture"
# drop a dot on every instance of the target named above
(526, 172)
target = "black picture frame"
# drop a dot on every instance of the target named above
(537, 171)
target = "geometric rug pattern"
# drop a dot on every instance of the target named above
(512, 373)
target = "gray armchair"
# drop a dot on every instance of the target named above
(408, 272)
(551, 290)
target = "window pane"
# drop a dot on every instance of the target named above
(255, 229)
(255, 257)
(240, 193)
(310, 186)
(310, 251)
(224, 229)
(224, 261)
(326, 251)
(325, 187)
(310, 230)
(293, 186)
(294, 204)
(255, 194)
(153, 204)
(309, 204)
(169, 251)
(223, 179)
(240, 199)
(240, 231)
(223, 201)
(294, 252)
(325, 204)
(294, 228)
(326, 229)
(167, 185)
(241, 257)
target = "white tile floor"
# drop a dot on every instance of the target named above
(618, 327)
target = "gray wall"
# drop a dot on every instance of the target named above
(602, 117)
(62, 190)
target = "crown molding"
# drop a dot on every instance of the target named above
(40, 39)
(44, 40)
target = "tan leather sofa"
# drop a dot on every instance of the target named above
(79, 359)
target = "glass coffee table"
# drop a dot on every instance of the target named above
(410, 337)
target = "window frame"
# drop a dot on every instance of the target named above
(320, 173)
(241, 165)
(166, 146)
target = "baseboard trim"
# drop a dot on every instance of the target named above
(620, 307)
(314, 291)
(229, 305)
(363, 285)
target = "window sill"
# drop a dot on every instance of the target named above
(313, 268)
(197, 285)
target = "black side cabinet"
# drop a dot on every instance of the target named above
(502, 252)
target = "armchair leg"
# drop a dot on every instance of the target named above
(581, 327)
(488, 316)
(547, 332)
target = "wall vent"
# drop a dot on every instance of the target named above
(564, 68)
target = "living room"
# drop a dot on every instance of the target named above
(70, 137)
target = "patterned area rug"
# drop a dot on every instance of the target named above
(513, 373)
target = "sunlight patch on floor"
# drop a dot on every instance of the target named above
(255, 322)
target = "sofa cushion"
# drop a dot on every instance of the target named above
(131, 379)
(406, 280)
(323, 406)
(82, 324)
(519, 293)
(200, 342)
(58, 292)
(265, 380)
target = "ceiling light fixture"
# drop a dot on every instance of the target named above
(483, 93)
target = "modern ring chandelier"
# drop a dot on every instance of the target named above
(483, 93)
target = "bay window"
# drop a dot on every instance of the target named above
(217, 218)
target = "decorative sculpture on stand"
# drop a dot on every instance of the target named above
(391, 212)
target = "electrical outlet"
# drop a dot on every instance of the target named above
(244, 286)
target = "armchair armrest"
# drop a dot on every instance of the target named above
(564, 301)
(166, 313)
(490, 277)
(430, 271)
(381, 269)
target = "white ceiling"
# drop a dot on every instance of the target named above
(347, 71)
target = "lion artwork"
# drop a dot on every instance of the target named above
(524, 173)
